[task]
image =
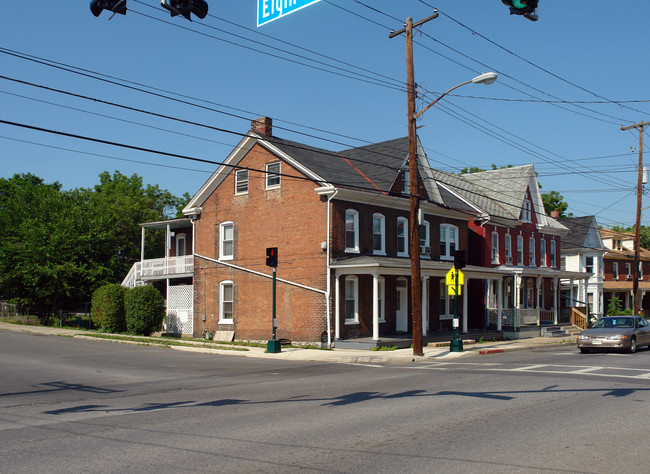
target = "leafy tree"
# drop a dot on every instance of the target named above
(145, 310)
(554, 201)
(644, 233)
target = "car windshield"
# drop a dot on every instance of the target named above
(614, 323)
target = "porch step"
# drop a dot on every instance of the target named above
(560, 331)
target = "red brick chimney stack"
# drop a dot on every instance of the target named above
(555, 214)
(263, 126)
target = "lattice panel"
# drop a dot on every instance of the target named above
(180, 309)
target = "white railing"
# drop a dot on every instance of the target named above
(521, 317)
(158, 268)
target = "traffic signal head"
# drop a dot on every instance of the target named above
(186, 7)
(272, 257)
(522, 7)
(459, 259)
(116, 6)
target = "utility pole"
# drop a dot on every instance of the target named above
(414, 185)
(637, 230)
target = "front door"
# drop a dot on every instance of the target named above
(401, 306)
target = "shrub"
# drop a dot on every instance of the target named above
(145, 310)
(108, 308)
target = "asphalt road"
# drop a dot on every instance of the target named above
(71, 405)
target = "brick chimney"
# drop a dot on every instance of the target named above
(263, 126)
(555, 214)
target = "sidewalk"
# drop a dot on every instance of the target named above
(399, 356)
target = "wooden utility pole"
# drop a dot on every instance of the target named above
(637, 229)
(414, 185)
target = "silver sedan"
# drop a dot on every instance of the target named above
(616, 332)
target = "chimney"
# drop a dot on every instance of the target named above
(263, 126)
(555, 214)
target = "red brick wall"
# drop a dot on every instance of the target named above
(292, 218)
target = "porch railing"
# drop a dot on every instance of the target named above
(521, 317)
(158, 268)
(579, 318)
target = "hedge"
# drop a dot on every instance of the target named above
(108, 308)
(145, 310)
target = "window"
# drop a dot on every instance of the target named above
(273, 175)
(640, 270)
(226, 291)
(425, 249)
(448, 241)
(553, 253)
(520, 250)
(618, 245)
(531, 252)
(227, 234)
(615, 270)
(405, 183)
(542, 253)
(378, 234)
(495, 248)
(181, 246)
(381, 297)
(351, 231)
(628, 271)
(589, 264)
(508, 249)
(351, 300)
(241, 182)
(402, 237)
(446, 308)
(526, 211)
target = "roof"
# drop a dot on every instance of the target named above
(583, 234)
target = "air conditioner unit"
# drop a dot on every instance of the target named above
(508, 260)
(628, 277)
(425, 250)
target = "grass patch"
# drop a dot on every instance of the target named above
(384, 348)
(167, 342)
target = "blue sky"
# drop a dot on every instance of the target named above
(329, 76)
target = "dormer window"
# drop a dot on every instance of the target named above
(404, 178)
(526, 211)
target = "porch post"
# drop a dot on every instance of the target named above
(538, 288)
(517, 295)
(375, 307)
(556, 299)
(337, 306)
(425, 305)
(168, 245)
(142, 246)
(571, 299)
(465, 286)
(499, 304)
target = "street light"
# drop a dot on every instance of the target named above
(414, 235)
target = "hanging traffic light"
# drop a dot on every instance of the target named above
(527, 8)
(186, 7)
(272, 257)
(116, 6)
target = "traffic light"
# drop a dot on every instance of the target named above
(526, 8)
(272, 257)
(116, 6)
(459, 259)
(186, 7)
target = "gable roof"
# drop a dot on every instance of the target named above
(583, 234)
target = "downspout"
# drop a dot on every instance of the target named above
(329, 272)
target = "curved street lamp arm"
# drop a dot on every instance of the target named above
(436, 101)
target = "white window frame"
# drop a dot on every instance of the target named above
(615, 270)
(241, 180)
(352, 216)
(425, 227)
(447, 241)
(352, 296)
(640, 269)
(593, 263)
(222, 301)
(508, 248)
(531, 252)
(377, 217)
(223, 241)
(628, 271)
(520, 250)
(402, 221)
(542, 253)
(406, 182)
(553, 254)
(448, 302)
(494, 253)
(181, 238)
(527, 211)
(272, 176)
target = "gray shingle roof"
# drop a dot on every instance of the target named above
(579, 229)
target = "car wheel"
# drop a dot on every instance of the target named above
(584, 350)
(633, 345)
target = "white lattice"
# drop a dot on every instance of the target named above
(180, 309)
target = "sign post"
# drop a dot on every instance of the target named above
(455, 280)
(273, 346)
(269, 10)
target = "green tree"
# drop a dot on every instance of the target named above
(554, 201)
(644, 233)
